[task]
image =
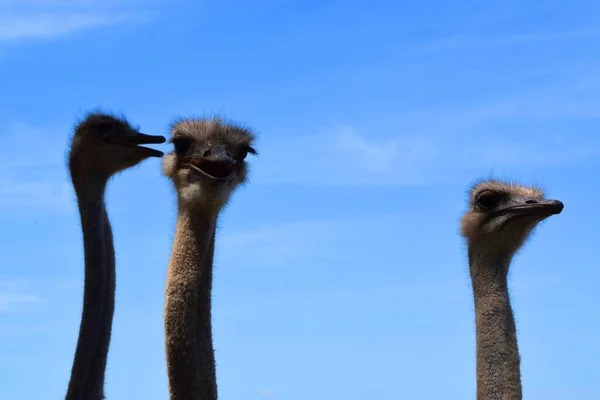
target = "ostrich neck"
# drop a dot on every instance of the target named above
(100, 360)
(498, 360)
(188, 329)
(89, 365)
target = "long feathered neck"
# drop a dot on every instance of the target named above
(498, 360)
(188, 328)
(89, 365)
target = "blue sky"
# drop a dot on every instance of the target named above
(339, 269)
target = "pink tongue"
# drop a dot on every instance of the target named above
(197, 163)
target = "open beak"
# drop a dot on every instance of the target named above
(219, 171)
(141, 138)
(213, 162)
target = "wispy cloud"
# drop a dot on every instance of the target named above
(381, 156)
(46, 194)
(297, 242)
(281, 244)
(47, 18)
(528, 129)
(35, 178)
(267, 392)
(53, 24)
(469, 40)
(340, 155)
(15, 293)
(440, 156)
(10, 300)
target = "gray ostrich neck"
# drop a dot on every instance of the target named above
(88, 371)
(188, 325)
(498, 360)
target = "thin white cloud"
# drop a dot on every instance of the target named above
(52, 18)
(57, 3)
(343, 156)
(468, 40)
(36, 179)
(383, 155)
(376, 157)
(439, 156)
(53, 24)
(9, 301)
(394, 294)
(50, 194)
(279, 245)
(15, 293)
(444, 145)
(267, 392)
(294, 243)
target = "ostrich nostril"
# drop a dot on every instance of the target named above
(206, 153)
(531, 201)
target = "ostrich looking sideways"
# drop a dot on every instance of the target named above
(206, 166)
(500, 219)
(102, 146)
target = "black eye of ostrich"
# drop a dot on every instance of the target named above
(244, 153)
(182, 145)
(488, 200)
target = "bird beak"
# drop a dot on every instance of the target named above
(543, 208)
(140, 138)
(137, 139)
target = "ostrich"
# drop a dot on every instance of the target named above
(206, 166)
(102, 146)
(499, 221)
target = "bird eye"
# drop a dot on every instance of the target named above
(182, 145)
(244, 153)
(488, 200)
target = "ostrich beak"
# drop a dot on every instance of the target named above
(217, 164)
(538, 209)
(541, 208)
(141, 138)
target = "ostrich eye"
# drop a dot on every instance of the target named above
(488, 200)
(182, 145)
(244, 152)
